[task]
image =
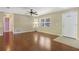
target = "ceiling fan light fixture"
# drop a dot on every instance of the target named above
(32, 12)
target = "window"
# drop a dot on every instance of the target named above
(42, 22)
(45, 22)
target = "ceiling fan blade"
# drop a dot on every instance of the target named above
(36, 14)
(27, 13)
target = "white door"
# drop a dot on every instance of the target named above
(69, 24)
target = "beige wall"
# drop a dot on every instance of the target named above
(1, 23)
(78, 24)
(56, 19)
(23, 23)
(55, 27)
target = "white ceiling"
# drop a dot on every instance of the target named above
(24, 10)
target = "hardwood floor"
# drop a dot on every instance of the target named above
(36, 41)
(33, 41)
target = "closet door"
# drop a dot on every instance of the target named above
(69, 24)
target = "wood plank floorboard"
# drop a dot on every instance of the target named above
(36, 41)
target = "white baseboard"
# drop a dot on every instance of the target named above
(50, 33)
(22, 32)
(33, 31)
(17, 32)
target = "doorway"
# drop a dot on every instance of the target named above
(69, 24)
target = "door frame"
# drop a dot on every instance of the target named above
(76, 24)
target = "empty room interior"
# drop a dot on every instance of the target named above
(39, 29)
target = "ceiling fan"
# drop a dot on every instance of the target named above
(32, 12)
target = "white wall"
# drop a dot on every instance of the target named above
(23, 23)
